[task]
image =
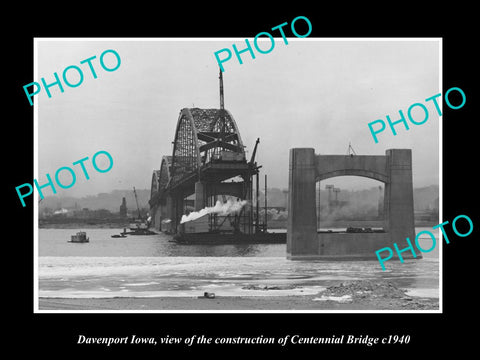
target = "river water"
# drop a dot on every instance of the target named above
(153, 265)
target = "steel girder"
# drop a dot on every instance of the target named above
(200, 137)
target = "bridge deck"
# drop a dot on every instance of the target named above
(213, 172)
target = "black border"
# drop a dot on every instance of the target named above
(56, 334)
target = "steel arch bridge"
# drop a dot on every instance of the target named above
(208, 161)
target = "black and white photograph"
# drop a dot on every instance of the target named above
(182, 187)
(283, 182)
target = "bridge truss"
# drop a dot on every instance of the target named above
(208, 163)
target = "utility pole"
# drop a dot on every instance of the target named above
(329, 202)
(336, 191)
(265, 225)
(257, 217)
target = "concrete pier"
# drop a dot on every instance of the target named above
(394, 169)
(199, 196)
(302, 216)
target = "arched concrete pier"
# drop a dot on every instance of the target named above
(394, 169)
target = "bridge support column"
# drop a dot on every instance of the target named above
(394, 169)
(302, 219)
(200, 198)
(399, 215)
(169, 208)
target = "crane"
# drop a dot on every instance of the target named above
(136, 200)
(252, 159)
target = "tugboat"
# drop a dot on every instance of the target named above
(122, 234)
(80, 237)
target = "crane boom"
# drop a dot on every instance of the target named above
(254, 151)
(136, 200)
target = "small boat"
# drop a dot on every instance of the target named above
(119, 236)
(80, 237)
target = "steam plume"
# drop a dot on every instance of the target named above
(230, 207)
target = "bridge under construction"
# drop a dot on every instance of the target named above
(205, 189)
(208, 167)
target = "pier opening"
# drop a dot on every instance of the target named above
(350, 204)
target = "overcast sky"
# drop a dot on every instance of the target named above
(310, 93)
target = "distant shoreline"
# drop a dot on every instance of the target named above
(78, 225)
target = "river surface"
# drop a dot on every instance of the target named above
(153, 265)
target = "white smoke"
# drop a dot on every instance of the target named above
(274, 214)
(61, 211)
(230, 207)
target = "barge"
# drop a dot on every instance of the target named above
(227, 238)
(79, 237)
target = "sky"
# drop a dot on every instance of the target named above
(313, 92)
